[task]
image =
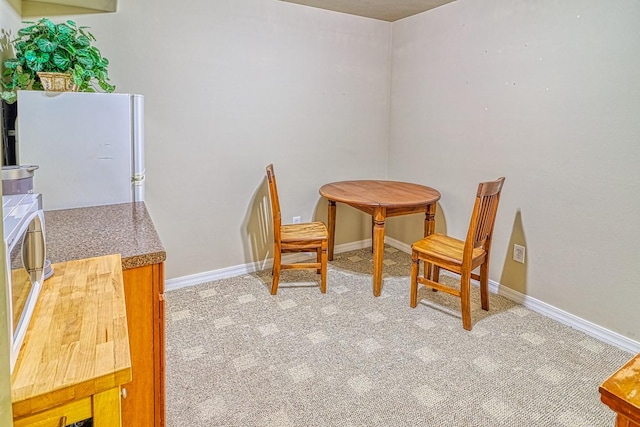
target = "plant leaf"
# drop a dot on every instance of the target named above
(48, 24)
(30, 55)
(83, 41)
(11, 64)
(43, 57)
(61, 61)
(85, 61)
(10, 97)
(25, 31)
(23, 80)
(46, 45)
(65, 34)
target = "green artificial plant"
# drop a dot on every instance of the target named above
(60, 48)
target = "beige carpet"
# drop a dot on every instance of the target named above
(237, 356)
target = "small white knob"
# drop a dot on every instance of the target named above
(123, 393)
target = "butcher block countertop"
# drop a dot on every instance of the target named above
(124, 228)
(77, 344)
(621, 392)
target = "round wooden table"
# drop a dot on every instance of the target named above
(381, 200)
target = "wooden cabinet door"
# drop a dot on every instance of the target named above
(144, 297)
(159, 344)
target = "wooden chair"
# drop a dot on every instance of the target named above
(306, 237)
(459, 256)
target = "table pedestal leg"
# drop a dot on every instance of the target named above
(378, 248)
(332, 229)
(373, 224)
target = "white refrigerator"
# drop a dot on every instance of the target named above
(89, 147)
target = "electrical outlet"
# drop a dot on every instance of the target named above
(518, 253)
(296, 220)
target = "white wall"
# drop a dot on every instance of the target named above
(547, 94)
(232, 86)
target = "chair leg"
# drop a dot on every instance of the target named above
(277, 259)
(465, 297)
(484, 285)
(323, 268)
(435, 275)
(415, 267)
(319, 260)
(428, 270)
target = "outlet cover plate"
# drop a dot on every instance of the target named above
(518, 253)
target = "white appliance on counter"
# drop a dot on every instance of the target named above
(25, 249)
(89, 146)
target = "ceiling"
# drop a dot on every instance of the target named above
(38, 8)
(385, 10)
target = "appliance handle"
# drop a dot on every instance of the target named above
(33, 247)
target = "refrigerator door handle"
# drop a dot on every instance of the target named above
(138, 178)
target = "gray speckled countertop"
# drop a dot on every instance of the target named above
(125, 229)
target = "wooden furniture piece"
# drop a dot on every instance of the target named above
(621, 392)
(306, 237)
(75, 356)
(381, 200)
(459, 256)
(127, 229)
(144, 403)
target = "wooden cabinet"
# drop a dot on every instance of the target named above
(144, 404)
(103, 408)
(75, 357)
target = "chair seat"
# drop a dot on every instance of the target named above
(440, 247)
(292, 233)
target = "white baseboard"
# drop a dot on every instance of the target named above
(567, 318)
(548, 310)
(238, 270)
(398, 244)
(538, 306)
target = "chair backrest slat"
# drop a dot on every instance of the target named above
(484, 216)
(275, 202)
